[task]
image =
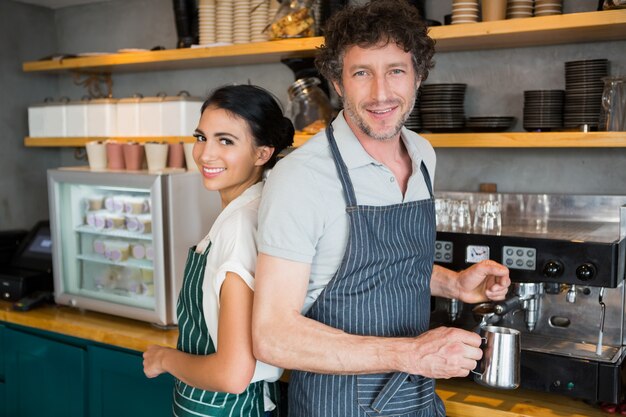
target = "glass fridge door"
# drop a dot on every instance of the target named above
(109, 239)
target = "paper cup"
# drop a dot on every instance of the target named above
(494, 10)
(97, 155)
(176, 156)
(133, 156)
(191, 163)
(156, 155)
(115, 155)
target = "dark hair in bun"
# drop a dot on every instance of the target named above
(260, 109)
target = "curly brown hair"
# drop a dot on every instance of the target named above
(379, 21)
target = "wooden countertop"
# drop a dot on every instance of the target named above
(103, 328)
(463, 398)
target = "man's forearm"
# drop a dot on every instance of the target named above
(443, 283)
(307, 345)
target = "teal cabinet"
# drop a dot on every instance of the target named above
(43, 377)
(3, 402)
(119, 388)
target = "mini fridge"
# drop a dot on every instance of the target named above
(120, 240)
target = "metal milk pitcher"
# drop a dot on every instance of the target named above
(500, 365)
(613, 112)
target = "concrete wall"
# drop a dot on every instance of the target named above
(26, 33)
(496, 80)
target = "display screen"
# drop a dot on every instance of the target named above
(41, 244)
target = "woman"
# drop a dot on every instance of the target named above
(240, 133)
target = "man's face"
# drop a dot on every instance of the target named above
(378, 90)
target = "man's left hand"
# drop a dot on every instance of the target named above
(486, 280)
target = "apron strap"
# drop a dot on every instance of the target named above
(344, 177)
(342, 169)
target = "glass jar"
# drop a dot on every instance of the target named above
(310, 107)
(294, 19)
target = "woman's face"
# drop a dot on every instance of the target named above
(226, 154)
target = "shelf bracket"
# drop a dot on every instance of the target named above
(98, 85)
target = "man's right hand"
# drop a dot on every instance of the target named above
(445, 352)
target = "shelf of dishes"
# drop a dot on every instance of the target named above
(572, 139)
(533, 31)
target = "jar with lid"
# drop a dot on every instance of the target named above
(310, 107)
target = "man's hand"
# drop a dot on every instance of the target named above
(445, 352)
(486, 280)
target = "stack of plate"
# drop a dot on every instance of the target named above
(414, 122)
(517, 9)
(548, 7)
(206, 21)
(464, 11)
(442, 107)
(490, 123)
(543, 110)
(258, 21)
(583, 91)
(241, 21)
(224, 21)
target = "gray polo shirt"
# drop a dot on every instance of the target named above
(303, 217)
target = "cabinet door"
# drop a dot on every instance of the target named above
(119, 388)
(3, 403)
(44, 378)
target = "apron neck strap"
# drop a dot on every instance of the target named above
(344, 177)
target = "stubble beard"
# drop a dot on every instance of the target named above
(367, 129)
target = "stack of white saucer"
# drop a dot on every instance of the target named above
(206, 21)
(258, 21)
(224, 21)
(548, 7)
(464, 11)
(241, 21)
(517, 9)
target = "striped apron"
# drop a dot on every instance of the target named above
(194, 338)
(382, 288)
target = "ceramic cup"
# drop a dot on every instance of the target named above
(97, 155)
(191, 163)
(494, 10)
(176, 155)
(115, 155)
(156, 155)
(133, 156)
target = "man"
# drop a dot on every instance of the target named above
(346, 239)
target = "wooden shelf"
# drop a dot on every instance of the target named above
(536, 31)
(528, 140)
(438, 140)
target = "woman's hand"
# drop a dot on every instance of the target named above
(153, 360)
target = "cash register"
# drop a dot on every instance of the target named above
(29, 270)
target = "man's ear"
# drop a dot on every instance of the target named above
(264, 153)
(337, 88)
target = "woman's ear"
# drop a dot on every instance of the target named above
(264, 153)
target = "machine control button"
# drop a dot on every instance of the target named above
(519, 257)
(530, 264)
(443, 251)
(509, 262)
(438, 245)
(552, 269)
(586, 272)
(509, 251)
(519, 262)
(519, 252)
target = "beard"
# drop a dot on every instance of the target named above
(383, 136)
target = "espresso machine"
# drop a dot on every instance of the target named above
(566, 256)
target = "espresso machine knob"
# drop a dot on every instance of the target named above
(552, 269)
(586, 272)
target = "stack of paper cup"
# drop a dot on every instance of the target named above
(224, 21)
(258, 22)
(189, 161)
(464, 11)
(96, 155)
(272, 9)
(206, 21)
(241, 21)
(518, 9)
(548, 7)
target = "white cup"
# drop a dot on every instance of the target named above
(97, 155)
(156, 155)
(191, 163)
